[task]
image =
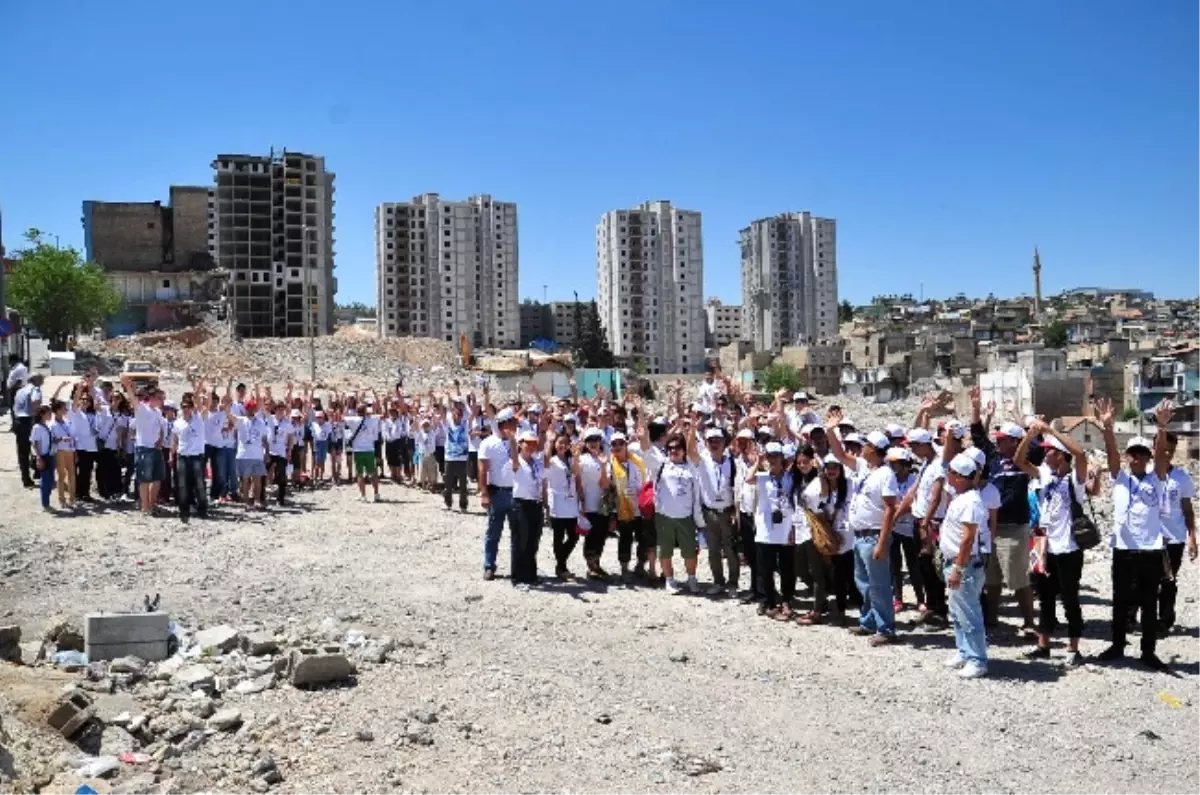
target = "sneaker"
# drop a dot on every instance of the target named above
(1152, 662)
(954, 661)
(731, 591)
(692, 585)
(860, 630)
(972, 671)
(1037, 653)
(882, 640)
(489, 574)
(673, 587)
(714, 590)
(1111, 653)
(1074, 659)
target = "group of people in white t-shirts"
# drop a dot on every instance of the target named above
(791, 497)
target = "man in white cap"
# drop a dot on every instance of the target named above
(716, 473)
(746, 488)
(496, 486)
(1010, 474)
(800, 414)
(928, 507)
(906, 545)
(964, 569)
(874, 499)
(1138, 536)
(458, 431)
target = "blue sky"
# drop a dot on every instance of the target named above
(946, 138)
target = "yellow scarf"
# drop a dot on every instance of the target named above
(627, 509)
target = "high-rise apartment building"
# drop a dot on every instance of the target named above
(650, 280)
(271, 228)
(447, 268)
(789, 280)
(723, 323)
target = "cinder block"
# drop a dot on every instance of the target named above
(108, 636)
(71, 713)
(317, 666)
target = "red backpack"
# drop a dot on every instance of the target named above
(646, 497)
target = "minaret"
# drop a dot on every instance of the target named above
(1037, 282)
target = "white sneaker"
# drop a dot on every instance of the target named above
(972, 671)
(672, 586)
(693, 585)
(714, 590)
(954, 661)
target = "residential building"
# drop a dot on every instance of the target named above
(789, 280)
(723, 323)
(650, 277)
(819, 365)
(536, 322)
(271, 227)
(445, 268)
(565, 318)
(157, 258)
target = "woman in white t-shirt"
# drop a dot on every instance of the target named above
(964, 568)
(594, 479)
(41, 442)
(64, 457)
(1063, 478)
(773, 533)
(528, 473)
(827, 497)
(562, 487)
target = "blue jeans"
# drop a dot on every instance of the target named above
(499, 512)
(46, 479)
(874, 581)
(967, 612)
(227, 458)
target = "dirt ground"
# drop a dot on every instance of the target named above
(583, 687)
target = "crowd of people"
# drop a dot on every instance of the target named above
(775, 494)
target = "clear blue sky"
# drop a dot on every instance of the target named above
(946, 138)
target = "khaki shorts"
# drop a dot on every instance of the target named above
(1009, 561)
(675, 534)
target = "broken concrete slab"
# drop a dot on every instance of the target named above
(111, 635)
(10, 643)
(257, 644)
(225, 720)
(223, 638)
(317, 666)
(111, 705)
(195, 677)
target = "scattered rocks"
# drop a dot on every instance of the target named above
(257, 644)
(678, 656)
(223, 638)
(256, 685)
(195, 677)
(127, 665)
(310, 667)
(115, 741)
(64, 634)
(418, 734)
(10, 643)
(225, 720)
(364, 736)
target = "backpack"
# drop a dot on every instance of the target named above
(645, 500)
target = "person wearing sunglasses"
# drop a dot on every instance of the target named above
(594, 477)
(678, 515)
(717, 473)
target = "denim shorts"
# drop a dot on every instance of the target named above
(320, 450)
(251, 468)
(149, 465)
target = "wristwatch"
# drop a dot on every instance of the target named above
(957, 569)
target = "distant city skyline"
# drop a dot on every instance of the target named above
(946, 144)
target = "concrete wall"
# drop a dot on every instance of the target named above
(124, 236)
(189, 221)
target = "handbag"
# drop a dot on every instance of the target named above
(1084, 530)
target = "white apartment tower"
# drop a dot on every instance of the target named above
(650, 280)
(271, 227)
(789, 280)
(724, 323)
(448, 268)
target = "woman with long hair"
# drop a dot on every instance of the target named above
(562, 487)
(804, 469)
(83, 421)
(825, 496)
(773, 532)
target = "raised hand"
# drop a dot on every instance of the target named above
(1162, 413)
(976, 398)
(1104, 411)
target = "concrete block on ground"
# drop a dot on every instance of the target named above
(222, 639)
(74, 710)
(319, 665)
(108, 636)
(10, 643)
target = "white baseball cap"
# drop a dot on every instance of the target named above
(919, 436)
(789, 450)
(898, 454)
(774, 448)
(534, 408)
(846, 423)
(800, 396)
(527, 436)
(878, 440)
(295, 412)
(1011, 430)
(831, 460)
(617, 437)
(593, 433)
(977, 456)
(956, 429)
(964, 465)
(570, 418)
(1053, 442)
(504, 415)
(745, 433)
(714, 433)
(854, 438)
(893, 431)
(1139, 441)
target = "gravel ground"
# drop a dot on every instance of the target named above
(579, 687)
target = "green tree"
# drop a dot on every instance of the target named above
(845, 312)
(57, 292)
(1130, 414)
(780, 376)
(1055, 335)
(592, 349)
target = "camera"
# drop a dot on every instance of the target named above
(776, 516)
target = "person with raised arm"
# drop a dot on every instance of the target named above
(1138, 536)
(496, 486)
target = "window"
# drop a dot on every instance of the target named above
(166, 282)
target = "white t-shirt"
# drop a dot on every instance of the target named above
(61, 431)
(250, 434)
(282, 433)
(989, 495)
(527, 479)
(654, 458)
(747, 486)
(25, 398)
(147, 425)
(929, 475)
(774, 494)
(426, 442)
(18, 373)
(905, 524)
(191, 435)
(706, 394)
(495, 451)
(677, 494)
(168, 433)
(42, 440)
(107, 427)
(321, 430)
(363, 440)
(83, 429)
(589, 473)
(1054, 507)
(827, 507)
(716, 480)
(214, 430)
(866, 509)
(965, 508)
(1179, 487)
(560, 490)
(1137, 506)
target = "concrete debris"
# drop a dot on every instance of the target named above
(317, 666)
(10, 643)
(196, 677)
(218, 639)
(73, 711)
(257, 644)
(226, 720)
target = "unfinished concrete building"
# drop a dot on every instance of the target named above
(271, 228)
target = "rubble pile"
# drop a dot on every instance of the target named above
(141, 726)
(346, 358)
